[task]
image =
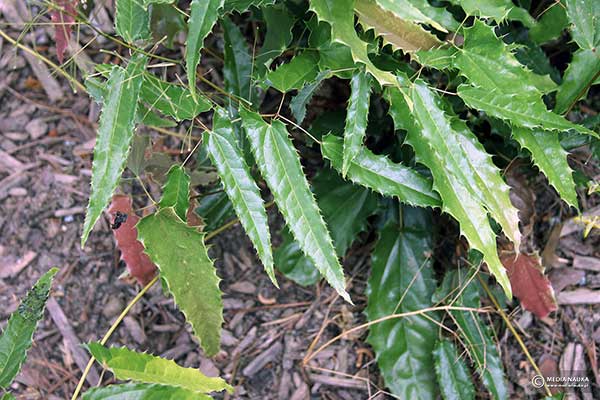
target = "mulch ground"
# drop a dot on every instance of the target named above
(45, 159)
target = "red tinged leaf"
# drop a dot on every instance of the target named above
(132, 251)
(63, 19)
(529, 284)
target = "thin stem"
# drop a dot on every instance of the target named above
(111, 330)
(513, 331)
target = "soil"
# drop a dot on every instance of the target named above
(45, 159)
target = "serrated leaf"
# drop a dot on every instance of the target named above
(530, 285)
(146, 3)
(497, 10)
(488, 63)
(115, 131)
(132, 21)
(279, 165)
(279, 23)
(339, 15)
(142, 391)
(173, 100)
(437, 58)
(166, 22)
(299, 102)
(148, 117)
(180, 254)
(402, 34)
(243, 5)
(464, 175)
(528, 113)
(475, 335)
(345, 209)
(357, 116)
(132, 251)
(203, 16)
(382, 175)
(16, 338)
(582, 72)
(551, 159)
(215, 209)
(452, 374)
(240, 187)
(176, 192)
(237, 65)
(401, 281)
(127, 364)
(420, 11)
(584, 16)
(302, 68)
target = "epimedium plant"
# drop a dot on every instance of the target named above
(423, 77)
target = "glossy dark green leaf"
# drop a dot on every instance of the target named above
(173, 100)
(292, 75)
(582, 72)
(585, 26)
(453, 376)
(115, 131)
(127, 364)
(240, 186)
(291, 261)
(551, 159)
(176, 192)
(16, 338)
(551, 24)
(497, 10)
(421, 11)
(203, 16)
(142, 391)
(279, 23)
(181, 256)
(132, 21)
(279, 165)
(357, 116)
(401, 281)
(243, 5)
(382, 175)
(166, 22)
(237, 67)
(215, 209)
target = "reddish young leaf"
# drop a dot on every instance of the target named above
(132, 251)
(63, 19)
(529, 284)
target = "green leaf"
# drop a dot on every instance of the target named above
(215, 209)
(497, 10)
(382, 175)
(7, 396)
(132, 21)
(437, 58)
(203, 16)
(299, 101)
(16, 338)
(240, 187)
(357, 115)
(345, 209)
(142, 391)
(528, 113)
(582, 72)
(279, 23)
(243, 5)
(279, 165)
(166, 22)
(488, 63)
(551, 159)
(476, 336)
(339, 14)
(453, 376)
(464, 175)
(237, 66)
(180, 255)
(146, 3)
(115, 131)
(550, 25)
(176, 192)
(148, 117)
(420, 11)
(585, 26)
(173, 100)
(402, 34)
(401, 281)
(302, 68)
(127, 364)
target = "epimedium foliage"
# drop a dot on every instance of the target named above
(394, 55)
